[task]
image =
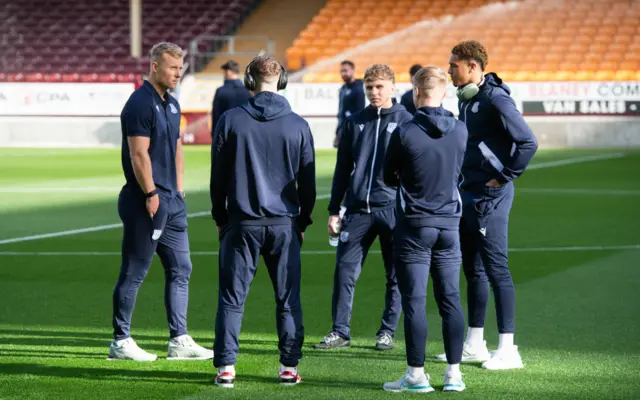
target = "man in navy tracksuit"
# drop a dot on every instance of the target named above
(231, 94)
(350, 98)
(262, 193)
(499, 149)
(407, 98)
(424, 159)
(152, 209)
(370, 210)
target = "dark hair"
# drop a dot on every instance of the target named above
(414, 68)
(232, 66)
(472, 50)
(349, 63)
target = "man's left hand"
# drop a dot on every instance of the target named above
(493, 183)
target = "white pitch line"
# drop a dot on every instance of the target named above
(548, 164)
(327, 252)
(575, 160)
(101, 228)
(605, 192)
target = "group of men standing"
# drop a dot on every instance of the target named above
(435, 190)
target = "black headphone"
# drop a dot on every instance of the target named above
(251, 84)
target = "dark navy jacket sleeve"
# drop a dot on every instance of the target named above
(525, 141)
(359, 98)
(216, 110)
(306, 180)
(138, 119)
(344, 167)
(392, 161)
(220, 171)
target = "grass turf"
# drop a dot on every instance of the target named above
(576, 310)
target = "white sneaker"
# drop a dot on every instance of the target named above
(127, 349)
(504, 359)
(453, 382)
(184, 348)
(471, 353)
(225, 379)
(410, 384)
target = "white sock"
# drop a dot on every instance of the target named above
(178, 338)
(454, 369)
(505, 341)
(284, 368)
(227, 368)
(475, 335)
(416, 372)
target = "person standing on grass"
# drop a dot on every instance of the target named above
(370, 207)
(152, 209)
(499, 149)
(424, 160)
(263, 190)
(231, 94)
(351, 96)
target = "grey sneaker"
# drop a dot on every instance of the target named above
(384, 341)
(332, 341)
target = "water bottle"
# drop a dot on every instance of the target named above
(334, 240)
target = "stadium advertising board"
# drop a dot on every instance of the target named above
(319, 101)
(63, 99)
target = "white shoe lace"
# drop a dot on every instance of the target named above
(332, 337)
(385, 339)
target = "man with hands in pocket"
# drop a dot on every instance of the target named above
(499, 149)
(152, 209)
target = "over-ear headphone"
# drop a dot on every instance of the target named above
(467, 92)
(251, 84)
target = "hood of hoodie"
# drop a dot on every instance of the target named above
(267, 106)
(492, 79)
(437, 122)
(385, 111)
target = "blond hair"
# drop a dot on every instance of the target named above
(379, 71)
(156, 52)
(430, 78)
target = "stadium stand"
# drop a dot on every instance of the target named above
(267, 19)
(84, 40)
(531, 40)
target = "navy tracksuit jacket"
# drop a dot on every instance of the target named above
(231, 94)
(424, 159)
(262, 192)
(500, 147)
(370, 211)
(351, 100)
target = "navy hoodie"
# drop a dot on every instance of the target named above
(407, 101)
(424, 159)
(263, 165)
(500, 144)
(231, 94)
(361, 154)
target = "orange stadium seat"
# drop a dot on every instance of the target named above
(542, 40)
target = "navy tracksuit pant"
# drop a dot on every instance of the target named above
(240, 248)
(420, 251)
(483, 235)
(165, 234)
(356, 237)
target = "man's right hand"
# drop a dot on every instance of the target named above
(153, 203)
(334, 225)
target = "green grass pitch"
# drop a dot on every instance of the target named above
(575, 253)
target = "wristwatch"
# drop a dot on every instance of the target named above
(151, 193)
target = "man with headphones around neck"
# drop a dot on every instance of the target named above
(263, 192)
(499, 149)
